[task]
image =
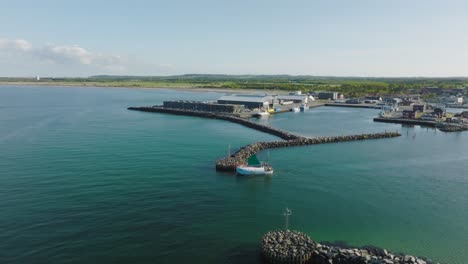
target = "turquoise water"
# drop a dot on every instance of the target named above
(83, 180)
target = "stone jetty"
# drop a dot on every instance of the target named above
(406, 121)
(240, 157)
(292, 247)
(442, 126)
(452, 127)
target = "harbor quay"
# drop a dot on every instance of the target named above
(406, 121)
(371, 106)
(442, 126)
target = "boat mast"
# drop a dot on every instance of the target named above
(286, 214)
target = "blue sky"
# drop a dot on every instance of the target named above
(339, 38)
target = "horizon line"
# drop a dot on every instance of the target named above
(241, 75)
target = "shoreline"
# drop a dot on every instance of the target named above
(177, 88)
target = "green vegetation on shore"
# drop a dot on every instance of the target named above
(351, 86)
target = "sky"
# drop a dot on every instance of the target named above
(368, 38)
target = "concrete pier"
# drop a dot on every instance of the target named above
(372, 106)
(406, 121)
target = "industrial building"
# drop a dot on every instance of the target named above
(297, 99)
(327, 95)
(204, 106)
(249, 101)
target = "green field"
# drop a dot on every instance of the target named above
(350, 86)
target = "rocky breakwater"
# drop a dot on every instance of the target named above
(215, 115)
(284, 246)
(452, 127)
(287, 247)
(240, 157)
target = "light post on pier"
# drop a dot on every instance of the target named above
(286, 214)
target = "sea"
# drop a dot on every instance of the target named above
(84, 180)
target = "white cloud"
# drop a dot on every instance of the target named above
(71, 60)
(15, 44)
(74, 54)
(64, 55)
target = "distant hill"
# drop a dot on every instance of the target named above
(350, 86)
(281, 77)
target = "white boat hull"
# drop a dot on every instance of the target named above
(251, 170)
(262, 114)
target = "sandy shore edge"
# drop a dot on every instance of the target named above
(178, 88)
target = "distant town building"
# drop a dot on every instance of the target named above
(374, 98)
(463, 114)
(249, 101)
(406, 102)
(431, 90)
(452, 99)
(38, 78)
(439, 112)
(409, 114)
(419, 108)
(296, 93)
(454, 92)
(396, 101)
(328, 95)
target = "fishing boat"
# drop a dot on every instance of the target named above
(304, 107)
(261, 114)
(255, 167)
(262, 169)
(295, 109)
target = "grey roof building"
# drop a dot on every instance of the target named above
(328, 95)
(293, 98)
(249, 101)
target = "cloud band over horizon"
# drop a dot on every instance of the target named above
(70, 56)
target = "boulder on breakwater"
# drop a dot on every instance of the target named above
(291, 247)
(287, 247)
